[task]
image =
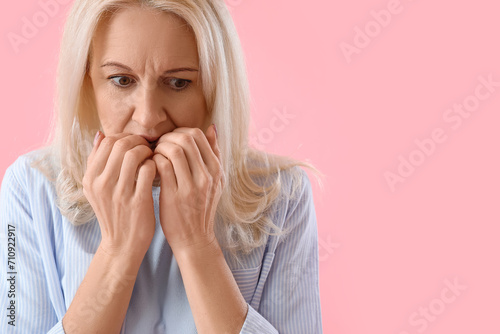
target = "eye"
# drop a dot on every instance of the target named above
(179, 84)
(123, 82)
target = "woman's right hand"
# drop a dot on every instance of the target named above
(123, 207)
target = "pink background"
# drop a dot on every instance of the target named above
(387, 253)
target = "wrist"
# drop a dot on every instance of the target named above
(125, 257)
(197, 252)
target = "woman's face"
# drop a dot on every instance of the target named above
(144, 72)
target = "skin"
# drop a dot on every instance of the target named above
(143, 100)
(185, 161)
(148, 103)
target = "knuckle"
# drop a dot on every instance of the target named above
(197, 133)
(122, 144)
(150, 167)
(186, 139)
(145, 150)
(148, 163)
(107, 142)
(146, 168)
(163, 163)
(205, 182)
(208, 178)
(132, 155)
(219, 173)
(85, 180)
(85, 186)
(85, 183)
(176, 151)
(206, 185)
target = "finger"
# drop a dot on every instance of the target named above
(204, 142)
(145, 177)
(131, 162)
(178, 159)
(214, 144)
(166, 171)
(191, 151)
(100, 153)
(118, 150)
(97, 140)
(213, 140)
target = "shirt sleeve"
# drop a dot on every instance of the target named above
(24, 296)
(290, 302)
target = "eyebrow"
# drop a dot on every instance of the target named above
(175, 70)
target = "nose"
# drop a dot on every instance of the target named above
(149, 108)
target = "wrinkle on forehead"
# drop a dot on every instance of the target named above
(162, 43)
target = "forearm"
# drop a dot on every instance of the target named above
(102, 300)
(215, 299)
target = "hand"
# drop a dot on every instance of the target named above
(192, 179)
(124, 207)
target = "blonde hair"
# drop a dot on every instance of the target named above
(242, 220)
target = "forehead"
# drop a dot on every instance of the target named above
(134, 35)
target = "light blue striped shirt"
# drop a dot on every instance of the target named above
(44, 258)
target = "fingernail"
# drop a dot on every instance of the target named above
(215, 128)
(96, 137)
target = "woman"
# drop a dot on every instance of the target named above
(161, 222)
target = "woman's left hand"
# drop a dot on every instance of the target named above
(191, 181)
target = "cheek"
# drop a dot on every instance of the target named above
(190, 112)
(188, 117)
(112, 112)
